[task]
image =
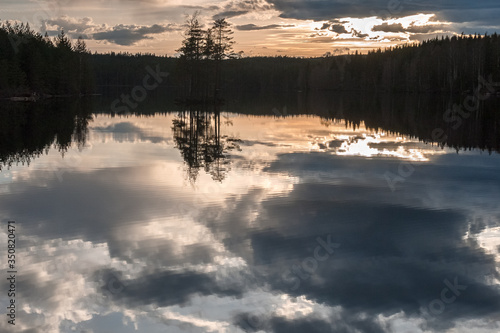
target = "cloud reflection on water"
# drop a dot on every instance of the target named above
(210, 256)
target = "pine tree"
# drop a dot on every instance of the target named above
(222, 48)
(67, 78)
(80, 46)
(192, 52)
(192, 45)
(81, 51)
(223, 41)
(209, 45)
(63, 42)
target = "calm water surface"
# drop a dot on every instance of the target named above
(266, 221)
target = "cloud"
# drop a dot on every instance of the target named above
(358, 34)
(424, 37)
(386, 27)
(320, 39)
(335, 27)
(398, 27)
(127, 130)
(238, 8)
(230, 13)
(427, 28)
(377, 269)
(69, 24)
(178, 288)
(396, 248)
(251, 26)
(482, 13)
(119, 34)
(131, 34)
(314, 324)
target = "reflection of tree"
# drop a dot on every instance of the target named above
(197, 135)
(29, 130)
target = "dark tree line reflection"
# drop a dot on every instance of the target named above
(413, 115)
(197, 134)
(29, 130)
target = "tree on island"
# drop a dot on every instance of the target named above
(208, 47)
(192, 51)
(222, 47)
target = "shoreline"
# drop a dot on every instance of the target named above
(36, 98)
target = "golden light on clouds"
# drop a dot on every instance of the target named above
(262, 27)
(315, 38)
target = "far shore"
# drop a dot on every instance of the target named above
(36, 97)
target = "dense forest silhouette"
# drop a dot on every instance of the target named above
(36, 65)
(30, 62)
(447, 65)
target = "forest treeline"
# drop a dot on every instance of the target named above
(33, 64)
(455, 64)
(30, 62)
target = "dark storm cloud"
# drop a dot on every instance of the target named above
(131, 34)
(479, 13)
(250, 322)
(395, 254)
(171, 288)
(316, 325)
(393, 257)
(486, 11)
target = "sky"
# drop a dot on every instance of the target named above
(262, 27)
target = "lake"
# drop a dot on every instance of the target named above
(270, 213)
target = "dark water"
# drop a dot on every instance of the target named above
(297, 213)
